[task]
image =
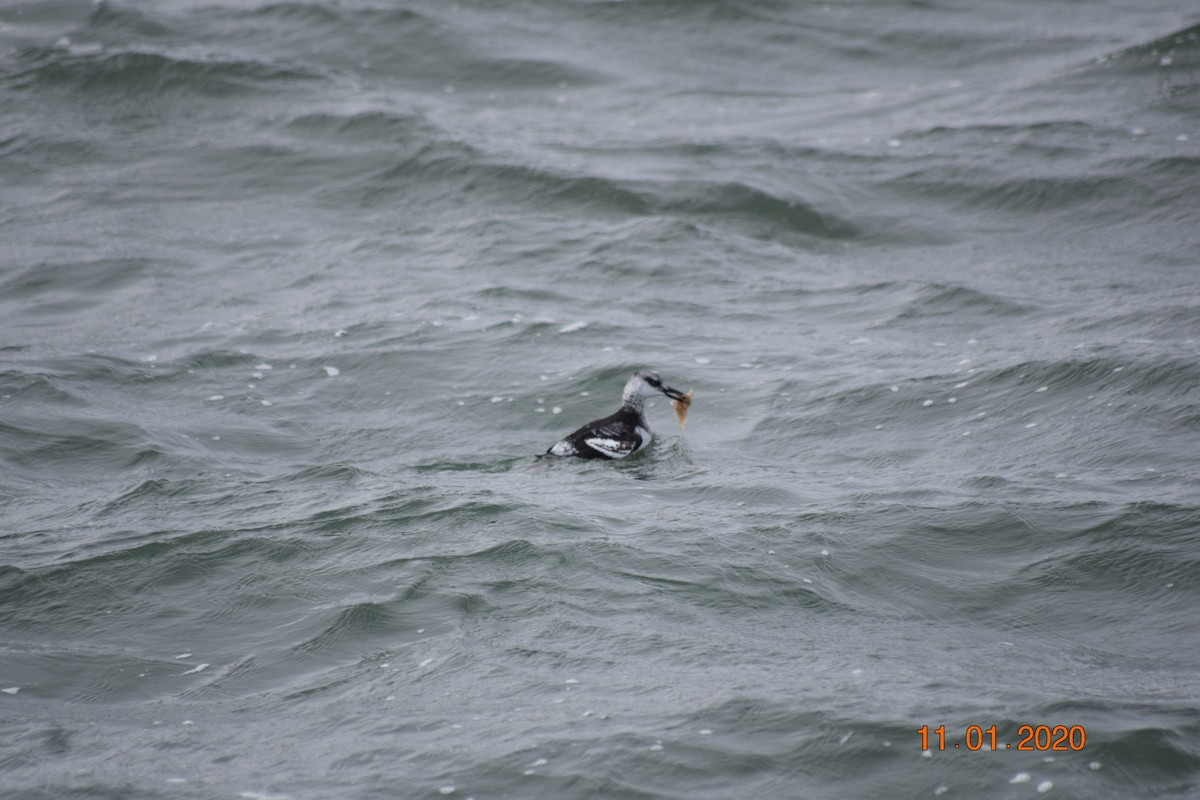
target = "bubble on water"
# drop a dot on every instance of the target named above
(1045, 786)
(332, 372)
(1020, 777)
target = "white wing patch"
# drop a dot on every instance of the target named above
(618, 448)
(613, 448)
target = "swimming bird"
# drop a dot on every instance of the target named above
(620, 434)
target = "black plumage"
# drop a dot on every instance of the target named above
(622, 433)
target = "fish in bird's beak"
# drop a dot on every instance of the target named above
(680, 402)
(674, 394)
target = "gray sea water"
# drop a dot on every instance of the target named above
(293, 293)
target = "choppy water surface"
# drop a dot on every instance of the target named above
(291, 295)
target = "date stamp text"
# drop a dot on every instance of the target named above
(1034, 738)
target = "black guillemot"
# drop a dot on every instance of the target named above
(623, 433)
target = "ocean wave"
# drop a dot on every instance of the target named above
(370, 127)
(91, 279)
(1169, 58)
(76, 444)
(148, 73)
(986, 188)
(24, 156)
(359, 622)
(937, 300)
(452, 169)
